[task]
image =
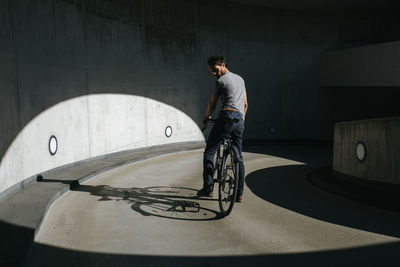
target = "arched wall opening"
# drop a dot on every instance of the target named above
(91, 126)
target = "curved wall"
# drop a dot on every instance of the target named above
(90, 126)
(367, 66)
(55, 50)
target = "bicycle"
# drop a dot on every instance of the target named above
(226, 170)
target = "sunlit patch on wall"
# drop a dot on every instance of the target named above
(101, 125)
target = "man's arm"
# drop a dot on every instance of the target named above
(245, 102)
(211, 106)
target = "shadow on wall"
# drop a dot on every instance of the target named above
(360, 103)
(312, 153)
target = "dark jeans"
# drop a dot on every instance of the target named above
(215, 139)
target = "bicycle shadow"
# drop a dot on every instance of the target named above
(160, 201)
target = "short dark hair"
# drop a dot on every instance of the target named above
(216, 60)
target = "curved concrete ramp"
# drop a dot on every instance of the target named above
(147, 214)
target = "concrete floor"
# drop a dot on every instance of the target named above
(145, 213)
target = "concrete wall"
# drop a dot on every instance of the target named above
(91, 126)
(361, 82)
(55, 50)
(373, 65)
(382, 142)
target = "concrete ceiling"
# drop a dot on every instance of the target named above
(326, 5)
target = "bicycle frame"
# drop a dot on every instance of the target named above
(222, 148)
(227, 183)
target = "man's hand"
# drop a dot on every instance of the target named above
(210, 109)
(205, 119)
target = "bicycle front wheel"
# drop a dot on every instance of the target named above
(228, 182)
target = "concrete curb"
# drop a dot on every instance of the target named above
(143, 154)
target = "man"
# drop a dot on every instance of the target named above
(230, 89)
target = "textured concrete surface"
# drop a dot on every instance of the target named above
(327, 6)
(382, 144)
(92, 126)
(55, 50)
(21, 213)
(143, 214)
(373, 65)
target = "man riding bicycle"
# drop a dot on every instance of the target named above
(230, 89)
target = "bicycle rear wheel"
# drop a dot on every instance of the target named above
(228, 182)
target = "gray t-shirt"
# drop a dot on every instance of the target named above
(230, 88)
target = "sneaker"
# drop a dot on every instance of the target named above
(239, 199)
(205, 192)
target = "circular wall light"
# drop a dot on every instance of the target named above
(168, 131)
(53, 145)
(361, 151)
(272, 130)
